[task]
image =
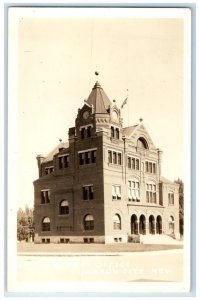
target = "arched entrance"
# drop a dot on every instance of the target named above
(142, 224)
(151, 225)
(171, 224)
(134, 224)
(159, 225)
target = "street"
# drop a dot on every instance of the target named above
(161, 266)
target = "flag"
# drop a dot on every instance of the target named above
(125, 102)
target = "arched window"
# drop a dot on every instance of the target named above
(64, 207)
(171, 224)
(116, 222)
(88, 222)
(142, 143)
(46, 224)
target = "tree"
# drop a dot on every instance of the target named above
(181, 204)
(25, 224)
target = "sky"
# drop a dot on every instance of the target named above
(57, 58)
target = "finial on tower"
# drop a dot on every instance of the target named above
(60, 140)
(97, 74)
(140, 119)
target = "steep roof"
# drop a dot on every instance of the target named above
(50, 156)
(99, 99)
(165, 180)
(129, 130)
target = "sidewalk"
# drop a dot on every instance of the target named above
(153, 252)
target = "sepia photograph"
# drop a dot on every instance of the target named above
(99, 131)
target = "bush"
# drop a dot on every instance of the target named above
(134, 238)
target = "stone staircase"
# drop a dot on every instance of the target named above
(159, 239)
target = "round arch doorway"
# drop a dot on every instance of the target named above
(159, 225)
(134, 224)
(142, 224)
(151, 224)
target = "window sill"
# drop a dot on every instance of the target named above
(114, 165)
(63, 215)
(150, 173)
(87, 165)
(87, 200)
(135, 201)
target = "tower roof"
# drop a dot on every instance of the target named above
(99, 99)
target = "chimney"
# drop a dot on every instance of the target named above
(40, 159)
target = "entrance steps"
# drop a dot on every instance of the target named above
(159, 239)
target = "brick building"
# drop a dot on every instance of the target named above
(105, 184)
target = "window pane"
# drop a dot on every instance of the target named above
(85, 193)
(94, 156)
(117, 133)
(114, 191)
(133, 163)
(42, 197)
(82, 133)
(47, 196)
(119, 159)
(114, 158)
(129, 162)
(89, 218)
(112, 132)
(89, 131)
(60, 162)
(137, 164)
(66, 161)
(91, 194)
(109, 156)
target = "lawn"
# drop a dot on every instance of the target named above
(88, 248)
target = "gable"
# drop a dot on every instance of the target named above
(140, 132)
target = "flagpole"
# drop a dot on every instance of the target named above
(128, 107)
